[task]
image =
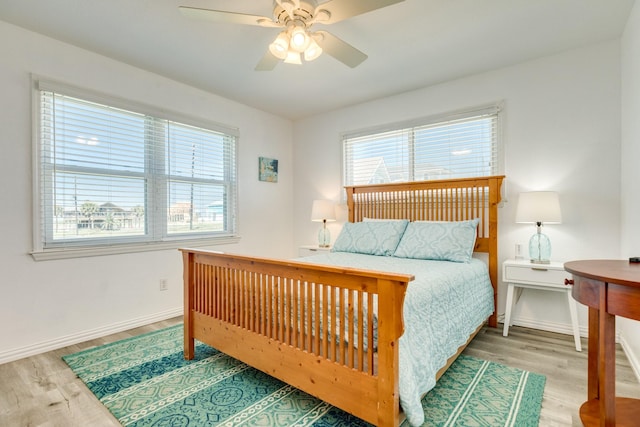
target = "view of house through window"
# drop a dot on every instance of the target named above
(455, 146)
(109, 175)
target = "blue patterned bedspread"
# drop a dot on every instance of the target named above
(445, 303)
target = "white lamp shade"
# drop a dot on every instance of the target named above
(323, 210)
(539, 206)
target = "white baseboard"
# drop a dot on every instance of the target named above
(634, 359)
(54, 344)
(562, 328)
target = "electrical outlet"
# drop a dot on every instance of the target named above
(519, 251)
(164, 285)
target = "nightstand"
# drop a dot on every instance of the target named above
(546, 277)
(308, 250)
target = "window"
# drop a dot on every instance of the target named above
(124, 178)
(452, 146)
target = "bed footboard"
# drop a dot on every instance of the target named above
(330, 331)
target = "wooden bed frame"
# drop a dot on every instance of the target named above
(285, 317)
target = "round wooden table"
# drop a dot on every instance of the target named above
(609, 288)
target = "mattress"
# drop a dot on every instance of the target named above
(445, 303)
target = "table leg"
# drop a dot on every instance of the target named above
(593, 386)
(574, 320)
(606, 363)
(507, 310)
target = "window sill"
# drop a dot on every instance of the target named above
(83, 252)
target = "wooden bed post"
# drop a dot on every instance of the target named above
(188, 263)
(390, 328)
(494, 199)
(350, 204)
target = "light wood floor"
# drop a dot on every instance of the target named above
(555, 356)
(42, 391)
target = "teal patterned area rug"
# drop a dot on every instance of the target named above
(145, 381)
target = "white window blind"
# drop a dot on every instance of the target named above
(454, 146)
(113, 176)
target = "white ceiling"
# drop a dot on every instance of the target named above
(412, 44)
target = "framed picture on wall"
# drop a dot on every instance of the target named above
(267, 169)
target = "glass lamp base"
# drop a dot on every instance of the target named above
(540, 249)
(324, 238)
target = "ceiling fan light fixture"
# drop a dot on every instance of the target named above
(280, 46)
(293, 58)
(313, 51)
(299, 39)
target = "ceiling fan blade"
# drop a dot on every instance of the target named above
(267, 63)
(229, 17)
(341, 9)
(340, 49)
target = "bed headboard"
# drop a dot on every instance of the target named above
(438, 200)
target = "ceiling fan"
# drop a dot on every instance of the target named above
(297, 41)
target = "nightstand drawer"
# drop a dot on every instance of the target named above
(537, 274)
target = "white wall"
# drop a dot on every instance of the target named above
(50, 303)
(562, 132)
(630, 236)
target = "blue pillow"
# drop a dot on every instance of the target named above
(366, 219)
(371, 238)
(439, 240)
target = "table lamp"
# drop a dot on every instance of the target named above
(539, 207)
(323, 211)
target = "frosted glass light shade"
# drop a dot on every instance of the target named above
(313, 51)
(299, 40)
(280, 46)
(293, 58)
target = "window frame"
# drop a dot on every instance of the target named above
(122, 244)
(496, 108)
